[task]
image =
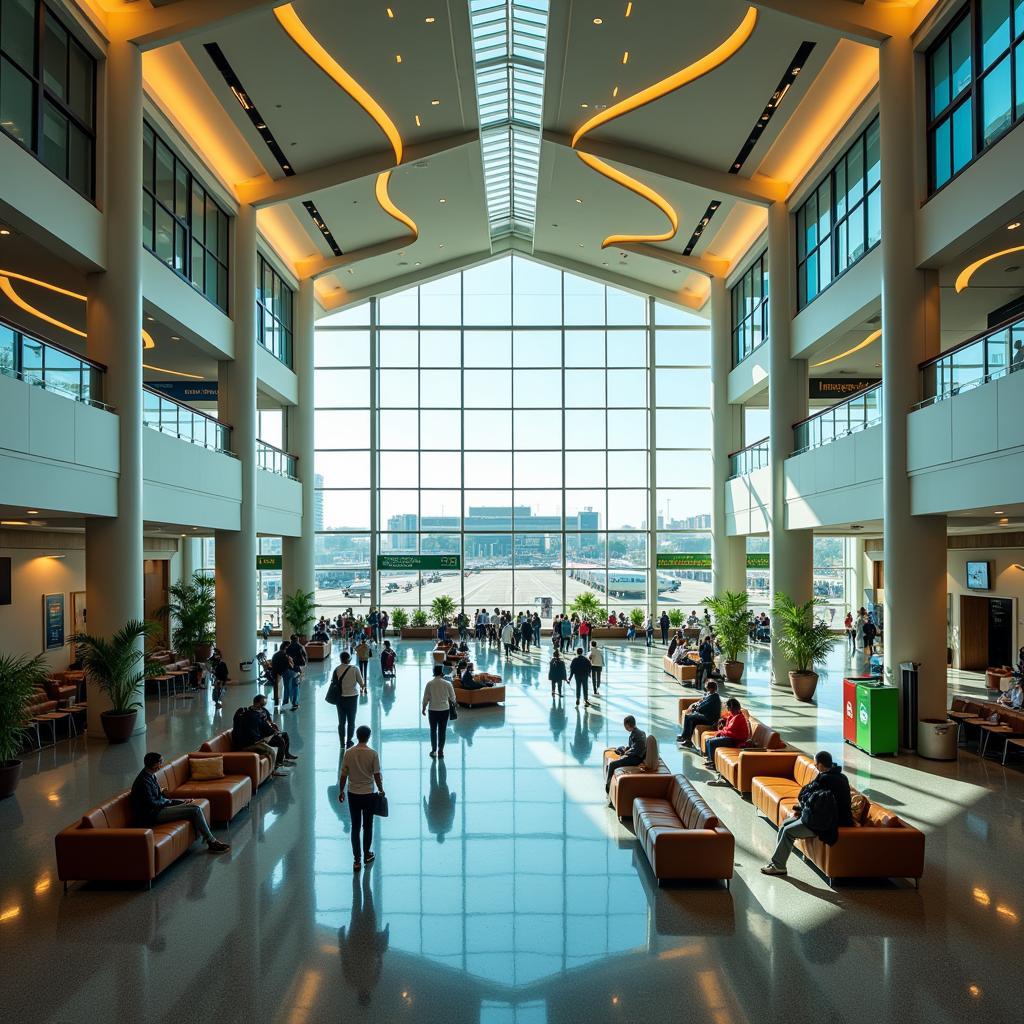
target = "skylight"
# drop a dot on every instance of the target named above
(509, 43)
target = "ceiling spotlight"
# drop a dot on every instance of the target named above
(599, 21)
(398, 58)
(440, 245)
(31, 512)
(579, 245)
(430, 21)
(4, 232)
(435, 103)
(584, 106)
(580, 201)
(615, 92)
(1009, 227)
(629, 8)
(149, 318)
(625, 56)
(442, 200)
(417, 263)
(418, 122)
(390, 12)
(174, 337)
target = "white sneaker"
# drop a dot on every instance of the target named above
(771, 869)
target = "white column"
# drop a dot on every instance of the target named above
(375, 463)
(113, 547)
(728, 554)
(791, 551)
(298, 572)
(236, 549)
(914, 546)
(652, 454)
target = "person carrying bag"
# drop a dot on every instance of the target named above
(343, 693)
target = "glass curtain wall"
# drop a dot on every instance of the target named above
(503, 417)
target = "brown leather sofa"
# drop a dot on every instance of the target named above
(480, 698)
(257, 766)
(59, 691)
(105, 845)
(226, 796)
(40, 703)
(758, 736)
(630, 782)
(681, 673)
(680, 834)
(878, 845)
(317, 651)
(764, 754)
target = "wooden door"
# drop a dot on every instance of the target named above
(155, 596)
(973, 633)
(1000, 631)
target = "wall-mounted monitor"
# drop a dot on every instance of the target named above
(978, 576)
(5, 581)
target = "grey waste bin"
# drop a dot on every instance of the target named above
(936, 739)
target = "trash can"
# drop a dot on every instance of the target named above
(908, 686)
(936, 739)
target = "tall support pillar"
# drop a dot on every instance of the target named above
(791, 551)
(235, 553)
(113, 547)
(190, 557)
(914, 546)
(298, 572)
(652, 449)
(728, 554)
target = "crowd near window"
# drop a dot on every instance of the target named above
(975, 84)
(182, 225)
(841, 220)
(48, 91)
(273, 312)
(750, 310)
(510, 411)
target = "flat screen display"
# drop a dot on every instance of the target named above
(978, 576)
(5, 581)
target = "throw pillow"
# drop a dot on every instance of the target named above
(858, 806)
(205, 768)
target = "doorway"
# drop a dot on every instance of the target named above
(154, 581)
(986, 632)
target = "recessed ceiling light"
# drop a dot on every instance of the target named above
(579, 245)
(599, 21)
(580, 201)
(418, 123)
(1009, 227)
(417, 263)
(615, 92)
(285, 167)
(31, 512)
(435, 103)
(175, 337)
(398, 58)
(149, 318)
(440, 245)
(391, 13)
(584, 106)
(629, 8)
(625, 56)
(4, 232)
(430, 21)
(442, 200)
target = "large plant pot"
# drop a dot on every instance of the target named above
(607, 633)
(203, 652)
(10, 773)
(803, 685)
(419, 632)
(118, 726)
(734, 671)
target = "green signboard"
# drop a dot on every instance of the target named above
(685, 560)
(418, 563)
(758, 561)
(269, 561)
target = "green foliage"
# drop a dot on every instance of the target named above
(399, 618)
(637, 616)
(587, 606)
(676, 617)
(19, 676)
(299, 610)
(732, 621)
(803, 640)
(119, 666)
(419, 618)
(442, 608)
(192, 608)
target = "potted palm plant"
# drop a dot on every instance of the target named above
(637, 616)
(118, 666)
(299, 611)
(418, 627)
(192, 608)
(803, 640)
(399, 620)
(732, 628)
(676, 617)
(442, 608)
(19, 677)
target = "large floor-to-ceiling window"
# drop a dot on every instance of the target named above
(496, 430)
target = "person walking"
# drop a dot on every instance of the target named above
(349, 683)
(848, 626)
(556, 674)
(363, 654)
(585, 634)
(360, 769)
(556, 632)
(438, 700)
(596, 665)
(508, 638)
(649, 630)
(565, 628)
(858, 630)
(526, 629)
(579, 669)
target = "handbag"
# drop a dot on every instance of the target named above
(334, 690)
(453, 710)
(380, 805)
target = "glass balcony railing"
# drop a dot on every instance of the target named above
(170, 417)
(273, 460)
(974, 362)
(857, 413)
(746, 460)
(45, 365)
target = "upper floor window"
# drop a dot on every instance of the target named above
(841, 220)
(47, 91)
(182, 225)
(273, 312)
(975, 85)
(750, 310)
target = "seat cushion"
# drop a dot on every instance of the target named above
(206, 768)
(878, 817)
(768, 792)
(170, 841)
(227, 796)
(690, 806)
(652, 758)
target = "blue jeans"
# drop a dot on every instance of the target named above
(291, 687)
(714, 742)
(188, 812)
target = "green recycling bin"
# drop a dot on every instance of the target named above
(878, 717)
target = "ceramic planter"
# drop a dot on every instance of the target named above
(118, 726)
(803, 685)
(10, 773)
(734, 671)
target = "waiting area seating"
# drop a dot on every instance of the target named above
(492, 694)
(258, 767)
(992, 721)
(684, 673)
(318, 651)
(679, 833)
(878, 844)
(628, 783)
(765, 753)
(223, 780)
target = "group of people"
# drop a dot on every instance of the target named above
(583, 670)
(861, 631)
(514, 632)
(286, 667)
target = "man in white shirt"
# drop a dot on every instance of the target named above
(506, 638)
(596, 664)
(350, 683)
(438, 698)
(360, 768)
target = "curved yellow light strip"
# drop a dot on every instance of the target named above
(388, 206)
(719, 55)
(307, 42)
(963, 279)
(8, 289)
(715, 58)
(147, 339)
(873, 336)
(642, 190)
(173, 373)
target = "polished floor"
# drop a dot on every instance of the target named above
(504, 889)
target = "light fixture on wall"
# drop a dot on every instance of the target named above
(55, 556)
(963, 279)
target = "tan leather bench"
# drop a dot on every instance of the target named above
(227, 796)
(630, 782)
(480, 698)
(765, 753)
(680, 834)
(681, 673)
(257, 766)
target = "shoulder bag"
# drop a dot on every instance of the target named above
(333, 694)
(380, 805)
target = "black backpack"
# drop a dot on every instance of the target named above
(819, 811)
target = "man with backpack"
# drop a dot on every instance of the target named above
(822, 808)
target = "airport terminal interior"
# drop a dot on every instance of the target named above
(607, 413)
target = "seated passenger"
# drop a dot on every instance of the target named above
(250, 732)
(822, 808)
(1014, 696)
(734, 731)
(707, 711)
(634, 753)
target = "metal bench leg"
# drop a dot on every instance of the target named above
(984, 742)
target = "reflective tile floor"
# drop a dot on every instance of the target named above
(504, 889)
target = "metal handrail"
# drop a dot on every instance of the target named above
(746, 460)
(159, 412)
(276, 460)
(850, 416)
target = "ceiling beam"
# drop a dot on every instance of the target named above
(759, 190)
(709, 266)
(266, 191)
(149, 25)
(863, 22)
(321, 265)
